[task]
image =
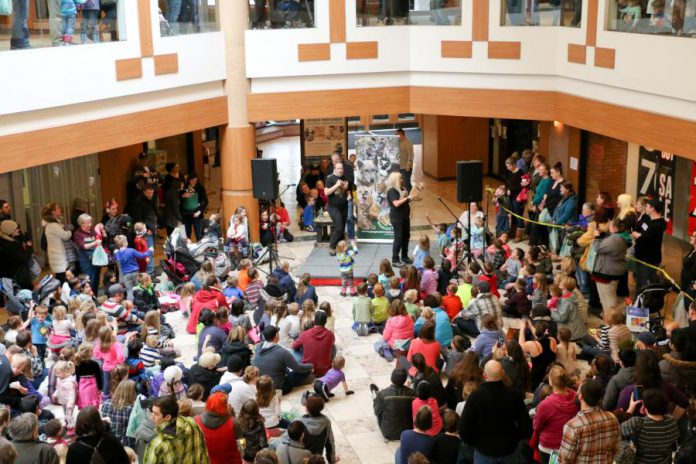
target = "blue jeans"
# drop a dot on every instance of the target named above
(20, 28)
(90, 24)
(483, 459)
(94, 272)
(502, 222)
(583, 279)
(173, 12)
(150, 239)
(67, 27)
(406, 175)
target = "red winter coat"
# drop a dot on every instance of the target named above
(316, 344)
(221, 441)
(211, 299)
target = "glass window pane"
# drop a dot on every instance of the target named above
(408, 12)
(281, 14)
(665, 17)
(541, 13)
(179, 17)
(51, 23)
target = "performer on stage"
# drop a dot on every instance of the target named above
(400, 216)
(337, 191)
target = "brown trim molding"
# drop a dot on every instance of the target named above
(337, 21)
(129, 68)
(645, 128)
(604, 57)
(362, 50)
(79, 139)
(314, 52)
(145, 28)
(504, 50)
(577, 53)
(481, 16)
(456, 49)
(166, 64)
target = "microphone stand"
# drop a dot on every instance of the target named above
(467, 256)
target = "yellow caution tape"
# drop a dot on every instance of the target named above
(545, 224)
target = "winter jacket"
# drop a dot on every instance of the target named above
(219, 432)
(287, 284)
(172, 209)
(392, 407)
(319, 436)
(34, 452)
(566, 314)
(56, 235)
(181, 433)
(144, 210)
(145, 299)
(292, 452)
(649, 244)
(398, 328)
(679, 372)
(362, 309)
(68, 7)
(235, 348)
(211, 298)
(143, 436)
(551, 415)
(274, 360)
(66, 392)
(206, 377)
(565, 211)
(316, 344)
(611, 257)
(625, 376)
(14, 259)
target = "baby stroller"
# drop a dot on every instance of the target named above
(46, 288)
(180, 265)
(652, 297)
(16, 300)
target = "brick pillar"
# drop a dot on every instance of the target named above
(238, 140)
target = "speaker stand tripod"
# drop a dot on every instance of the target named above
(272, 248)
(468, 257)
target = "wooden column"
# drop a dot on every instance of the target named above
(238, 138)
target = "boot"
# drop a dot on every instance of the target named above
(519, 236)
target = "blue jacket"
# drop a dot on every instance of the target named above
(443, 327)
(565, 211)
(286, 283)
(485, 342)
(308, 216)
(127, 257)
(68, 7)
(309, 294)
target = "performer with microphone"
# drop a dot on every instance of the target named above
(337, 190)
(400, 216)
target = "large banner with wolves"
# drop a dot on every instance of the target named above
(376, 158)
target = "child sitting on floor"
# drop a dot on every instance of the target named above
(380, 309)
(362, 311)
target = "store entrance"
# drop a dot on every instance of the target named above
(510, 136)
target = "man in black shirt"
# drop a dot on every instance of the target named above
(336, 189)
(144, 209)
(648, 241)
(514, 187)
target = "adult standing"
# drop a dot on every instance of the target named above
(92, 437)
(24, 431)
(194, 203)
(553, 195)
(337, 191)
(513, 184)
(405, 158)
(57, 240)
(144, 209)
(543, 184)
(349, 174)
(593, 435)
(87, 238)
(20, 27)
(5, 210)
(494, 419)
(15, 254)
(218, 428)
(400, 217)
(564, 213)
(648, 244)
(553, 413)
(179, 439)
(688, 272)
(610, 263)
(172, 206)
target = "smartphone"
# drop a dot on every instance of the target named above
(637, 393)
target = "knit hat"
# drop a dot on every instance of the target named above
(222, 388)
(647, 338)
(209, 360)
(173, 374)
(8, 227)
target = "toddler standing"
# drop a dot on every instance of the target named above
(89, 377)
(62, 326)
(140, 244)
(66, 389)
(127, 258)
(68, 15)
(346, 263)
(420, 252)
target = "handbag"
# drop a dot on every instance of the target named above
(5, 7)
(679, 314)
(99, 257)
(591, 257)
(637, 318)
(566, 249)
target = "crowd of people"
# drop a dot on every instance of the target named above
(496, 358)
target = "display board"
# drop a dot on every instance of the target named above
(656, 180)
(322, 137)
(376, 158)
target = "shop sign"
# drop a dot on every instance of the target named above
(656, 180)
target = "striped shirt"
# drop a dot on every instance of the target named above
(654, 440)
(149, 356)
(603, 334)
(346, 261)
(252, 293)
(591, 437)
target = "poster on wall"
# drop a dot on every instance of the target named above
(656, 180)
(322, 137)
(376, 158)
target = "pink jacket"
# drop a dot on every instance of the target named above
(551, 415)
(398, 328)
(66, 392)
(111, 358)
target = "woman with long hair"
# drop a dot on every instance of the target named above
(91, 435)
(542, 350)
(59, 248)
(118, 409)
(466, 370)
(399, 215)
(516, 368)
(553, 413)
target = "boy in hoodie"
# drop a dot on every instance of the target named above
(274, 360)
(127, 258)
(287, 284)
(319, 435)
(127, 320)
(292, 449)
(626, 376)
(209, 297)
(317, 345)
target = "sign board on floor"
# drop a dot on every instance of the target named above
(376, 158)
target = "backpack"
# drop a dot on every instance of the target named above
(96, 457)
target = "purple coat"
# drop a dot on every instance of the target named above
(91, 5)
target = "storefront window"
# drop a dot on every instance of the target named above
(43, 23)
(405, 12)
(665, 17)
(541, 13)
(281, 14)
(180, 17)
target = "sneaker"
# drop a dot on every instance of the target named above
(353, 294)
(407, 260)
(343, 294)
(373, 390)
(388, 355)
(305, 395)
(396, 263)
(331, 395)
(332, 252)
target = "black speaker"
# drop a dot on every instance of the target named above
(469, 181)
(264, 179)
